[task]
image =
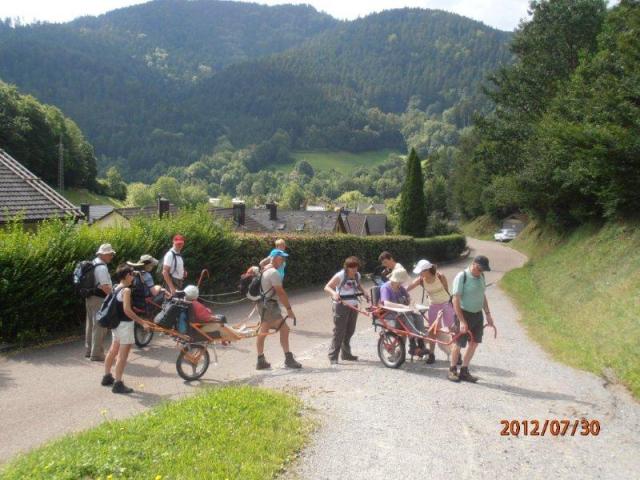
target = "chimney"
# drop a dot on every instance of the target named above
(163, 206)
(238, 212)
(273, 210)
(84, 208)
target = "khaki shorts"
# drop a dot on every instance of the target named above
(269, 311)
(123, 333)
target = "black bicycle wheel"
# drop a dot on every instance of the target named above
(141, 336)
(391, 350)
(192, 362)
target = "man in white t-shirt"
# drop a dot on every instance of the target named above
(94, 333)
(269, 307)
(389, 263)
(173, 271)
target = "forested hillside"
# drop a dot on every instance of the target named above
(564, 141)
(31, 132)
(157, 84)
(190, 40)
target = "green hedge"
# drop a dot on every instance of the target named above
(35, 267)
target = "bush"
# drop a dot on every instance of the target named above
(36, 266)
(437, 249)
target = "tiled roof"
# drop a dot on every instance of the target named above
(151, 211)
(356, 223)
(22, 193)
(96, 212)
(377, 224)
(298, 221)
(250, 224)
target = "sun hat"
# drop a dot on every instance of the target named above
(421, 266)
(399, 275)
(191, 292)
(106, 249)
(482, 262)
(146, 258)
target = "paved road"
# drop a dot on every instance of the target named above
(375, 422)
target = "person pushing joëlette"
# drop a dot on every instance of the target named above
(469, 300)
(173, 271)
(269, 306)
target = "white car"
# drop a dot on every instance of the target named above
(505, 235)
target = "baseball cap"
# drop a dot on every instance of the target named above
(276, 252)
(482, 262)
(178, 238)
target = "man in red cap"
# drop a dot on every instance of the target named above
(173, 270)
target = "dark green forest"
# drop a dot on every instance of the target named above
(157, 84)
(32, 133)
(563, 142)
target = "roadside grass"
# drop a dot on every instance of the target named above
(482, 228)
(236, 432)
(580, 297)
(82, 195)
(344, 162)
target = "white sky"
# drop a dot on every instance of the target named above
(502, 14)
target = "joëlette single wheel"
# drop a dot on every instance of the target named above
(391, 350)
(192, 362)
(141, 336)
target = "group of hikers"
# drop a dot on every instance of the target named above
(459, 309)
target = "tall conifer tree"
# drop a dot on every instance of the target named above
(412, 218)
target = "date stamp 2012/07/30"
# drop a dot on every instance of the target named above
(553, 428)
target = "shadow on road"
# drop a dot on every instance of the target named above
(529, 393)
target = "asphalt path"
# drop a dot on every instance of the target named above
(374, 422)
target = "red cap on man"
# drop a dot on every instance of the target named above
(178, 239)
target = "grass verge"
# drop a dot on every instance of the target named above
(579, 297)
(482, 228)
(344, 162)
(227, 433)
(78, 196)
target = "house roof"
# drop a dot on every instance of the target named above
(150, 211)
(356, 223)
(98, 212)
(23, 193)
(250, 224)
(298, 221)
(377, 223)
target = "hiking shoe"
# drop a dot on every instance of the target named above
(349, 357)
(290, 362)
(262, 363)
(97, 359)
(120, 387)
(333, 361)
(431, 359)
(87, 354)
(465, 376)
(453, 375)
(107, 380)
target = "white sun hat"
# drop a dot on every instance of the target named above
(421, 266)
(106, 249)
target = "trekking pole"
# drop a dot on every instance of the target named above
(204, 273)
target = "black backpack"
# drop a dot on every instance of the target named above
(109, 315)
(139, 292)
(251, 284)
(84, 280)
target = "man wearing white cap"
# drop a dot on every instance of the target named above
(94, 333)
